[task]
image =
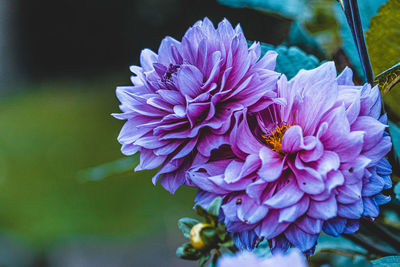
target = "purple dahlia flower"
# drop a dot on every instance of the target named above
(180, 105)
(292, 259)
(311, 161)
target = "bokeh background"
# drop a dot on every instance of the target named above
(60, 62)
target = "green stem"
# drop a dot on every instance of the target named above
(346, 253)
(385, 234)
(368, 245)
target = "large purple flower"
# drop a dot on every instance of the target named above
(311, 161)
(180, 105)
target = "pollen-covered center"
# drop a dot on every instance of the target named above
(274, 139)
(172, 69)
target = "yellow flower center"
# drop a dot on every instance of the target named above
(274, 140)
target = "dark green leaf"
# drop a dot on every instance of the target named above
(395, 134)
(107, 169)
(187, 252)
(186, 224)
(215, 206)
(368, 9)
(389, 261)
(291, 59)
(388, 79)
(293, 9)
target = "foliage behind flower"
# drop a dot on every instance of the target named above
(312, 161)
(292, 259)
(181, 103)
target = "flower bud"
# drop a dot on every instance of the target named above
(196, 239)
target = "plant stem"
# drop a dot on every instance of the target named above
(346, 253)
(353, 19)
(385, 234)
(370, 246)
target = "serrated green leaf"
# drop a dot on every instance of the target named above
(389, 261)
(291, 59)
(215, 206)
(395, 135)
(108, 169)
(292, 9)
(383, 37)
(388, 79)
(186, 224)
(368, 9)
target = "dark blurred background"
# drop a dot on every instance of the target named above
(60, 62)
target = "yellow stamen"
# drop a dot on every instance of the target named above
(274, 140)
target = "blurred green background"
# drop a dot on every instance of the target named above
(49, 135)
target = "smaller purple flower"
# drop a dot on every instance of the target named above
(181, 103)
(294, 258)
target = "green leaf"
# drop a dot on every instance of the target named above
(201, 211)
(389, 261)
(292, 9)
(227, 244)
(391, 217)
(108, 169)
(340, 243)
(368, 9)
(209, 237)
(291, 59)
(186, 224)
(263, 250)
(299, 36)
(395, 134)
(215, 206)
(388, 79)
(397, 191)
(188, 252)
(383, 37)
